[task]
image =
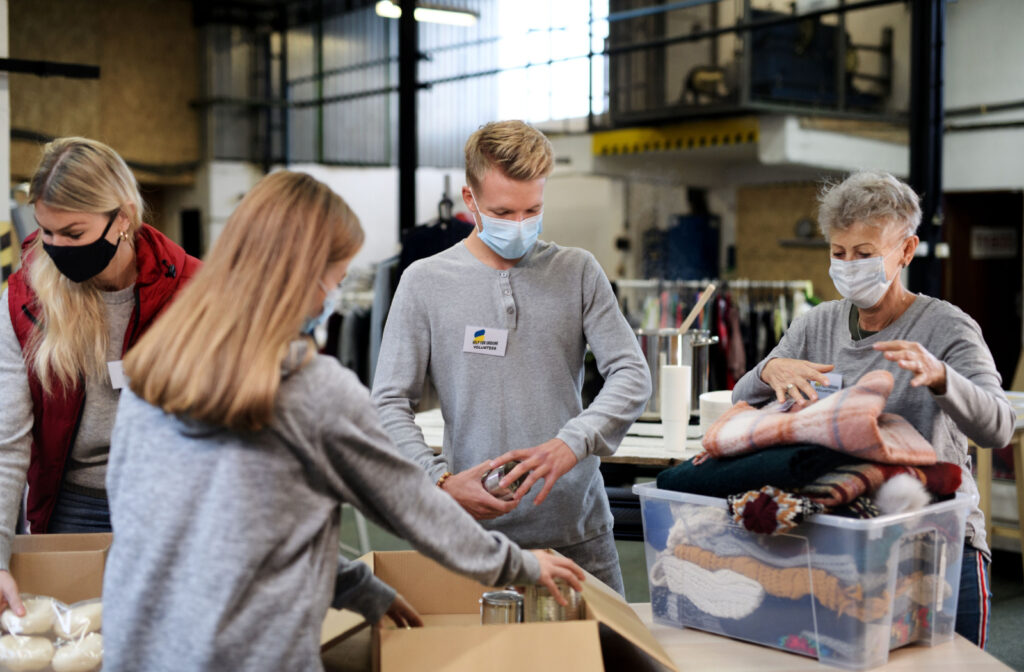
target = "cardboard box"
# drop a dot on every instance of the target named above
(68, 567)
(611, 637)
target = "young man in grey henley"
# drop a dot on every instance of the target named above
(500, 323)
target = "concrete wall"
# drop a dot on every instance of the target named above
(148, 56)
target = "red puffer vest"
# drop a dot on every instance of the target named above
(164, 268)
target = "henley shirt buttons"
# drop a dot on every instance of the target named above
(510, 310)
(507, 292)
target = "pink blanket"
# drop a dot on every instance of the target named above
(850, 421)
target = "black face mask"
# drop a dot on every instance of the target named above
(81, 262)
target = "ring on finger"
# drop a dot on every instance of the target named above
(790, 387)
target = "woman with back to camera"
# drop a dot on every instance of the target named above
(235, 446)
(92, 279)
(946, 383)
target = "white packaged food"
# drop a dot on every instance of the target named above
(80, 655)
(24, 654)
(38, 618)
(79, 620)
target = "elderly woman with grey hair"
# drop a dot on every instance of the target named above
(946, 383)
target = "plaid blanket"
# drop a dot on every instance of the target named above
(850, 421)
(848, 482)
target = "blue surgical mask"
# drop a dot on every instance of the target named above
(508, 238)
(331, 302)
(862, 281)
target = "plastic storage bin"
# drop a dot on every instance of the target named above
(844, 591)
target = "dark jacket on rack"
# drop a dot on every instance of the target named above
(163, 268)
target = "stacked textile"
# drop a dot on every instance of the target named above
(779, 464)
(821, 591)
(811, 595)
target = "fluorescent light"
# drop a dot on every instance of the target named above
(389, 10)
(429, 13)
(452, 17)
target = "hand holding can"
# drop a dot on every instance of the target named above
(492, 481)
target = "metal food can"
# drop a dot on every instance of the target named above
(492, 479)
(541, 605)
(501, 606)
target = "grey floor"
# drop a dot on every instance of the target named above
(1006, 628)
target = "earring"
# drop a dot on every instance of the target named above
(123, 235)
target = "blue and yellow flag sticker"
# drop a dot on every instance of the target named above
(478, 337)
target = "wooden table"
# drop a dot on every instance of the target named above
(692, 650)
(696, 650)
(644, 444)
(983, 462)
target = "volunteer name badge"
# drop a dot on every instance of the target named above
(117, 379)
(485, 341)
(835, 383)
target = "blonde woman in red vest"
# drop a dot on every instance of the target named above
(92, 279)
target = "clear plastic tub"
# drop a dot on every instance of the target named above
(845, 591)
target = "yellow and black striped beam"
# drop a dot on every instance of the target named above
(724, 132)
(7, 255)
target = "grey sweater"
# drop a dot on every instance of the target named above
(225, 553)
(974, 405)
(553, 303)
(87, 466)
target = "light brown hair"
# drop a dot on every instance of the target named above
(216, 353)
(77, 175)
(516, 148)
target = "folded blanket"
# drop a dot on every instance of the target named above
(850, 421)
(785, 467)
(848, 482)
(794, 583)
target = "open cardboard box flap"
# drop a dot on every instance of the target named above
(435, 590)
(68, 567)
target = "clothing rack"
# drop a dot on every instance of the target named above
(738, 283)
(748, 316)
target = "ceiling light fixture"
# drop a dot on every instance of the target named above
(429, 13)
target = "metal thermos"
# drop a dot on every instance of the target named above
(670, 347)
(697, 355)
(661, 347)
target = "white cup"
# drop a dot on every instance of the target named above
(712, 406)
(675, 394)
(675, 435)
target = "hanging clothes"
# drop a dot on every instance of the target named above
(735, 351)
(425, 241)
(384, 283)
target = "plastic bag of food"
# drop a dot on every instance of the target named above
(52, 636)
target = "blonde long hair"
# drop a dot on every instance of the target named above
(215, 355)
(78, 175)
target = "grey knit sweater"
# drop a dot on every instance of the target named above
(974, 405)
(551, 305)
(225, 553)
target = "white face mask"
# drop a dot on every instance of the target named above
(862, 281)
(508, 238)
(316, 326)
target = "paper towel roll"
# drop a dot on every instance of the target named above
(675, 393)
(675, 435)
(712, 406)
